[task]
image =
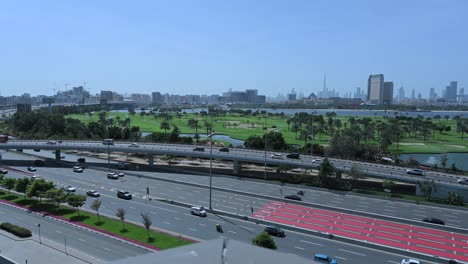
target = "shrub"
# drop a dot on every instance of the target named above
(16, 230)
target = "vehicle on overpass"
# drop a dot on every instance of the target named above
(415, 172)
(108, 141)
(433, 221)
(31, 168)
(112, 176)
(463, 181)
(275, 231)
(93, 193)
(3, 138)
(124, 195)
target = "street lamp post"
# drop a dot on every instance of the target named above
(39, 227)
(265, 164)
(210, 136)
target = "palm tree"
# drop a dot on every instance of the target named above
(165, 125)
(193, 123)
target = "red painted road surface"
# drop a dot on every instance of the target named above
(418, 239)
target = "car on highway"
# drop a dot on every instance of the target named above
(77, 169)
(120, 174)
(124, 195)
(433, 220)
(293, 155)
(199, 149)
(122, 165)
(134, 145)
(112, 175)
(108, 141)
(224, 149)
(81, 160)
(463, 181)
(3, 171)
(415, 172)
(275, 231)
(198, 210)
(34, 177)
(324, 258)
(31, 168)
(409, 261)
(317, 161)
(276, 156)
(293, 197)
(69, 188)
(51, 142)
(93, 193)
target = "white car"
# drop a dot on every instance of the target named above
(34, 177)
(317, 161)
(415, 172)
(112, 175)
(3, 171)
(120, 174)
(70, 188)
(409, 261)
(134, 145)
(77, 169)
(463, 181)
(51, 142)
(276, 156)
(198, 210)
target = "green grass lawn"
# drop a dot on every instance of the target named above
(241, 127)
(131, 231)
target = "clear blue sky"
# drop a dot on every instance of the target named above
(206, 47)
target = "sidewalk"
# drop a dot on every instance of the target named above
(30, 251)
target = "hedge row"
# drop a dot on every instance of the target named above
(15, 230)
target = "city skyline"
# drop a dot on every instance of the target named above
(207, 47)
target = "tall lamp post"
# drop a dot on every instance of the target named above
(210, 136)
(265, 164)
(39, 227)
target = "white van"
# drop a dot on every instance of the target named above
(197, 210)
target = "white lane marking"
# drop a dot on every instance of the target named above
(234, 232)
(193, 229)
(292, 254)
(248, 228)
(338, 257)
(19, 218)
(312, 243)
(352, 252)
(201, 224)
(82, 240)
(299, 248)
(216, 221)
(167, 223)
(394, 262)
(58, 231)
(107, 249)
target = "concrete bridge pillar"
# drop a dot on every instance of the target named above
(150, 159)
(57, 155)
(236, 166)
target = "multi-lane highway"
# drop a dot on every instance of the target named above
(178, 219)
(236, 154)
(56, 233)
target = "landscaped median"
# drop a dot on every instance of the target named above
(121, 229)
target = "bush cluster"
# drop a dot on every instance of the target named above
(16, 230)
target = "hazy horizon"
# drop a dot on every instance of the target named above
(207, 47)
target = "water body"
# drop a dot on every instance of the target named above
(459, 159)
(339, 112)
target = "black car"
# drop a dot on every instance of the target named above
(224, 149)
(81, 160)
(433, 221)
(293, 197)
(275, 231)
(124, 195)
(293, 156)
(93, 193)
(199, 149)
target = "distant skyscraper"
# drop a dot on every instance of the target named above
(292, 96)
(432, 94)
(401, 93)
(375, 87)
(388, 93)
(413, 96)
(451, 91)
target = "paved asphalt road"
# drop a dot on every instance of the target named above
(178, 219)
(96, 245)
(377, 170)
